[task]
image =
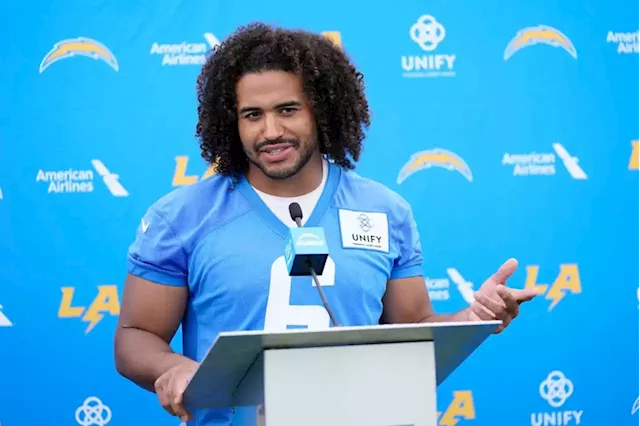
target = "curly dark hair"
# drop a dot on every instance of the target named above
(335, 90)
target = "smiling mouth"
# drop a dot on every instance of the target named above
(276, 153)
(276, 148)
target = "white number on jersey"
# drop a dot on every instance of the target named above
(280, 313)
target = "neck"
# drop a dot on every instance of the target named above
(305, 181)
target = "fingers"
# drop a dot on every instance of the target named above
(525, 295)
(500, 329)
(479, 308)
(180, 411)
(479, 312)
(162, 390)
(502, 308)
(505, 271)
(500, 304)
(495, 300)
(473, 316)
(511, 303)
(177, 405)
(170, 391)
(494, 305)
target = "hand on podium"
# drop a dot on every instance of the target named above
(171, 385)
(494, 300)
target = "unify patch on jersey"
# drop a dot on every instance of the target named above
(364, 230)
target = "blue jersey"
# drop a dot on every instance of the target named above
(221, 241)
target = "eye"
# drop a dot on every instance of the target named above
(253, 115)
(287, 112)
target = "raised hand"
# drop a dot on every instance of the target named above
(494, 300)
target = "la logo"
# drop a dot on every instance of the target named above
(180, 177)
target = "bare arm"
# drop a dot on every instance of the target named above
(407, 301)
(149, 318)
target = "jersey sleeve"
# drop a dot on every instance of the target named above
(408, 263)
(157, 254)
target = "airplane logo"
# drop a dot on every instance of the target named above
(4, 321)
(110, 179)
(570, 162)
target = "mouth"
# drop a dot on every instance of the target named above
(278, 152)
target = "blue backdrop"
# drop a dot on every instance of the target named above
(511, 128)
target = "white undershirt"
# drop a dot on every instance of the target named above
(280, 205)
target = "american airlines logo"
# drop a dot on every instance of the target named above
(185, 53)
(439, 288)
(544, 163)
(4, 321)
(110, 179)
(81, 180)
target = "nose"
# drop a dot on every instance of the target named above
(272, 127)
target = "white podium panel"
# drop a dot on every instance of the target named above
(377, 375)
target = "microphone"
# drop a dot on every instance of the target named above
(306, 253)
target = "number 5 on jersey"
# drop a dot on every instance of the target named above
(281, 314)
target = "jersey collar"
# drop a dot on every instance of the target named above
(333, 177)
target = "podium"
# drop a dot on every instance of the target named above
(383, 375)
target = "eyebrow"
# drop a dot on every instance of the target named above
(281, 105)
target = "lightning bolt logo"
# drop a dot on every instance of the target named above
(567, 281)
(106, 302)
(93, 317)
(555, 294)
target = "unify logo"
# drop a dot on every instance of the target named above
(626, 43)
(543, 164)
(428, 33)
(105, 302)
(567, 281)
(556, 390)
(364, 230)
(177, 54)
(93, 412)
(438, 288)
(635, 154)
(180, 177)
(76, 180)
(460, 407)
(4, 321)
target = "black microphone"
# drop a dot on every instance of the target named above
(306, 251)
(295, 211)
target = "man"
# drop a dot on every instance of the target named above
(282, 116)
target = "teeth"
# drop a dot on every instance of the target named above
(275, 151)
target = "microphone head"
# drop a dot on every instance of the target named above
(295, 211)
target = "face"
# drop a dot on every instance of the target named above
(275, 123)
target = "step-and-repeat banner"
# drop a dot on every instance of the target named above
(510, 127)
